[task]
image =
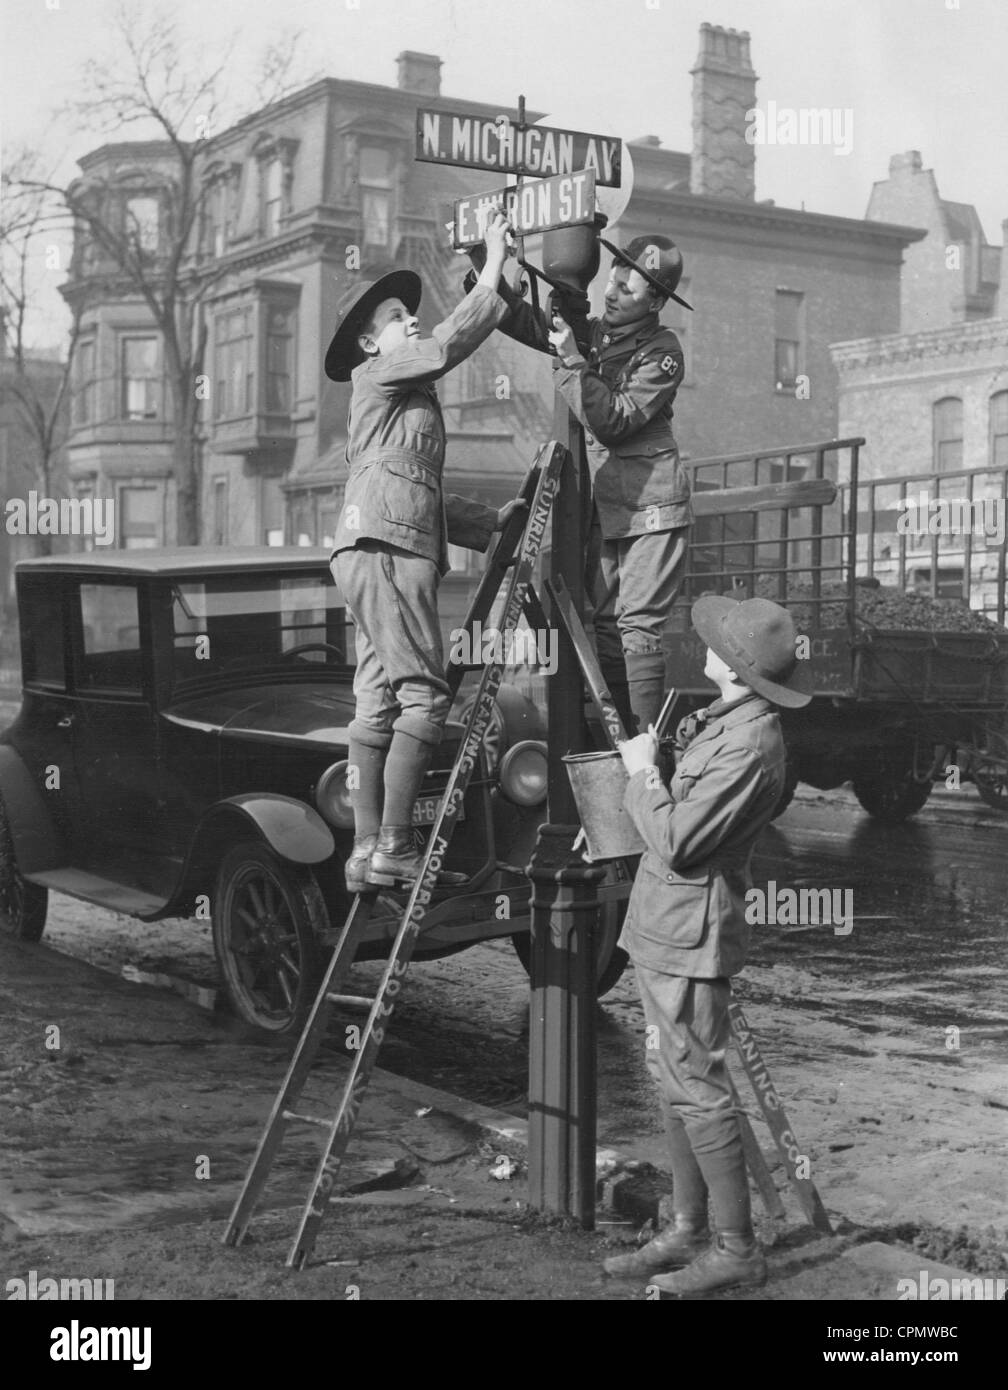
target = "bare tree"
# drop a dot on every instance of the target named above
(37, 386)
(145, 83)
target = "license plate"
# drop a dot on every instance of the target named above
(425, 810)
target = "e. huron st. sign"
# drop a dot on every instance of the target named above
(564, 201)
(475, 142)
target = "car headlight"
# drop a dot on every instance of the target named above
(523, 773)
(332, 796)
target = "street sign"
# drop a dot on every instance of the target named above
(477, 142)
(568, 200)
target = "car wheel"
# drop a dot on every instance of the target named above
(610, 959)
(266, 917)
(23, 905)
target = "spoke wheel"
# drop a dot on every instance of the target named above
(23, 905)
(266, 916)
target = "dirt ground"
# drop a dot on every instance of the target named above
(122, 1150)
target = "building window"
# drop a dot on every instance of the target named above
(141, 379)
(279, 344)
(273, 178)
(947, 415)
(84, 393)
(272, 511)
(216, 229)
(219, 511)
(140, 518)
(234, 357)
(999, 430)
(142, 219)
(788, 339)
(376, 195)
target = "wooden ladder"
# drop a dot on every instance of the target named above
(516, 551)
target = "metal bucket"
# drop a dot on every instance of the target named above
(599, 781)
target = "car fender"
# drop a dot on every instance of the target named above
(295, 831)
(38, 842)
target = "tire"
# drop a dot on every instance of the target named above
(23, 905)
(611, 960)
(266, 918)
(892, 794)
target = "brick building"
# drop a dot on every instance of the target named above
(296, 190)
(933, 398)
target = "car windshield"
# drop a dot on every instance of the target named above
(235, 623)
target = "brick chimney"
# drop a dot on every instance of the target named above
(908, 163)
(724, 89)
(420, 73)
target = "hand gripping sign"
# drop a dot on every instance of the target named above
(567, 200)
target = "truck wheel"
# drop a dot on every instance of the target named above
(611, 960)
(23, 905)
(266, 920)
(891, 794)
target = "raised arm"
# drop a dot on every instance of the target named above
(613, 413)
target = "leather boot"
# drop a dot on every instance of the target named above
(723, 1266)
(356, 866)
(396, 862)
(676, 1245)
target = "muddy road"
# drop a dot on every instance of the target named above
(888, 1044)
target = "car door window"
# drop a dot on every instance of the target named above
(40, 604)
(110, 656)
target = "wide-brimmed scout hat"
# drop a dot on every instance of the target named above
(354, 310)
(757, 640)
(640, 253)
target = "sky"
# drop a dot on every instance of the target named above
(915, 74)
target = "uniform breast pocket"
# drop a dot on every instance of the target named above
(410, 495)
(677, 907)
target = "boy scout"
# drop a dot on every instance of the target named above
(391, 550)
(622, 394)
(686, 932)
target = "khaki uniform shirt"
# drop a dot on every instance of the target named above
(396, 446)
(622, 395)
(686, 914)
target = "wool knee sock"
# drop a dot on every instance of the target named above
(689, 1191)
(366, 797)
(717, 1146)
(646, 680)
(407, 761)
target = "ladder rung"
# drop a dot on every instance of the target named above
(359, 1001)
(307, 1119)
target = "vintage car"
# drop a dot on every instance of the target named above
(181, 749)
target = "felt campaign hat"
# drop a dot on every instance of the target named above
(640, 254)
(354, 310)
(756, 638)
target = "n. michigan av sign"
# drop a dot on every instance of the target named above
(475, 142)
(568, 200)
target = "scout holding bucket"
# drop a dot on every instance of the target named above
(599, 781)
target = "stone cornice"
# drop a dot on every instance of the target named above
(686, 207)
(954, 340)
